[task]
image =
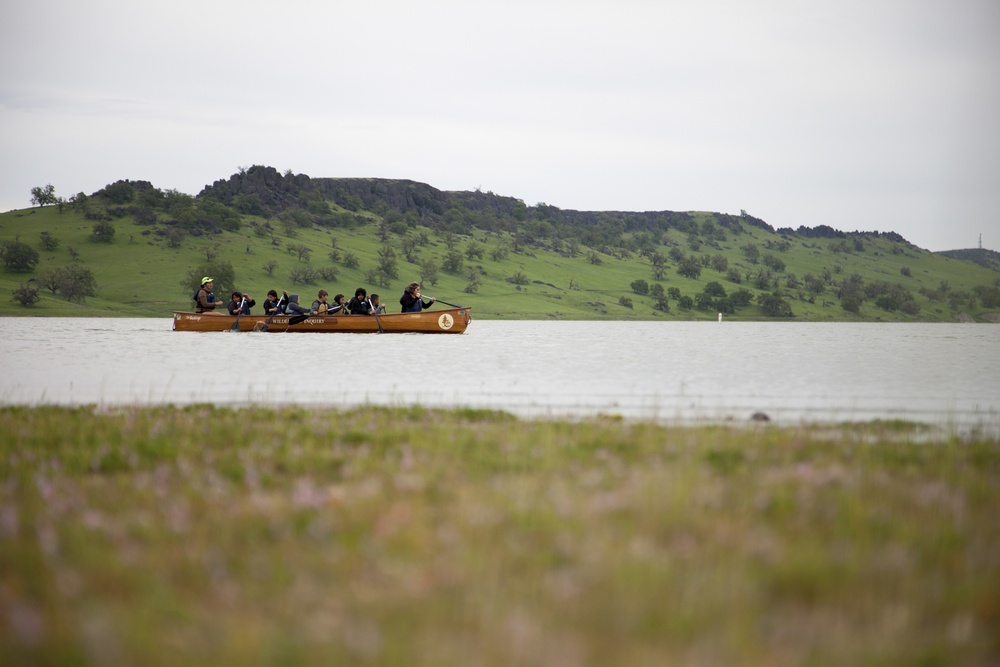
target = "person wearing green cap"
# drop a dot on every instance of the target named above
(206, 300)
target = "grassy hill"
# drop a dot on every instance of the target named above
(516, 261)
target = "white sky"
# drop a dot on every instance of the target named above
(858, 114)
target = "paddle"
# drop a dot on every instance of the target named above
(277, 309)
(375, 312)
(444, 302)
(236, 324)
(301, 318)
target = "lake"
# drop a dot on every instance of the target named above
(943, 374)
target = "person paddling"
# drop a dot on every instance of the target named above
(359, 304)
(206, 299)
(411, 301)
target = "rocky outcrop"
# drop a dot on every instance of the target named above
(274, 191)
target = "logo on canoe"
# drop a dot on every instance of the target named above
(446, 321)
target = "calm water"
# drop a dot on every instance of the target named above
(947, 374)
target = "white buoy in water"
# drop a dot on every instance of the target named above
(720, 317)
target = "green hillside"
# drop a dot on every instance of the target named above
(133, 249)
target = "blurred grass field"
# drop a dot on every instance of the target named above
(207, 536)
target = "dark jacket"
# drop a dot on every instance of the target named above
(412, 304)
(270, 304)
(358, 307)
(234, 306)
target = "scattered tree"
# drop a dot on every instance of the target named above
(47, 241)
(474, 250)
(714, 289)
(387, 265)
(222, 272)
(300, 250)
(518, 278)
(76, 282)
(773, 262)
(103, 232)
(43, 196)
(689, 268)
(302, 275)
(49, 280)
(26, 295)
(428, 271)
(17, 256)
(350, 260)
(499, 253)
(473, 285)
(773, 304)
(175, 237)
(453, 261)
(640, 286)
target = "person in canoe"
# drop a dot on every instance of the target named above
(319, 305)
(339, 305)
(359, 304)
(272, 304)
(411, 301)
(375, 305)
(206, 299)
(294, 307)
(241, 303)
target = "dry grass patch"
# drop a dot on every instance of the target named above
(201, 536)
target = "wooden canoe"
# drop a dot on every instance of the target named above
(448, 320)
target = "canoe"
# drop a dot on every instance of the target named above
(448, 320)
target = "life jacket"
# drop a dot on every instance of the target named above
(197, 304)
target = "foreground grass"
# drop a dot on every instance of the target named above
(205, 536)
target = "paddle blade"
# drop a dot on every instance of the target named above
(236, 325)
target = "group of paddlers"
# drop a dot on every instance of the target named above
(288, 304)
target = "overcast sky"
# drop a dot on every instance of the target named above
(858, 114)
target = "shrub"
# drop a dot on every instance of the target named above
(103, 232)
(48, 242)
(689, 268)
(26, 295)
(774, 305)
(17, 256)
(303, 275)
(714, 289)
(76, 282)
